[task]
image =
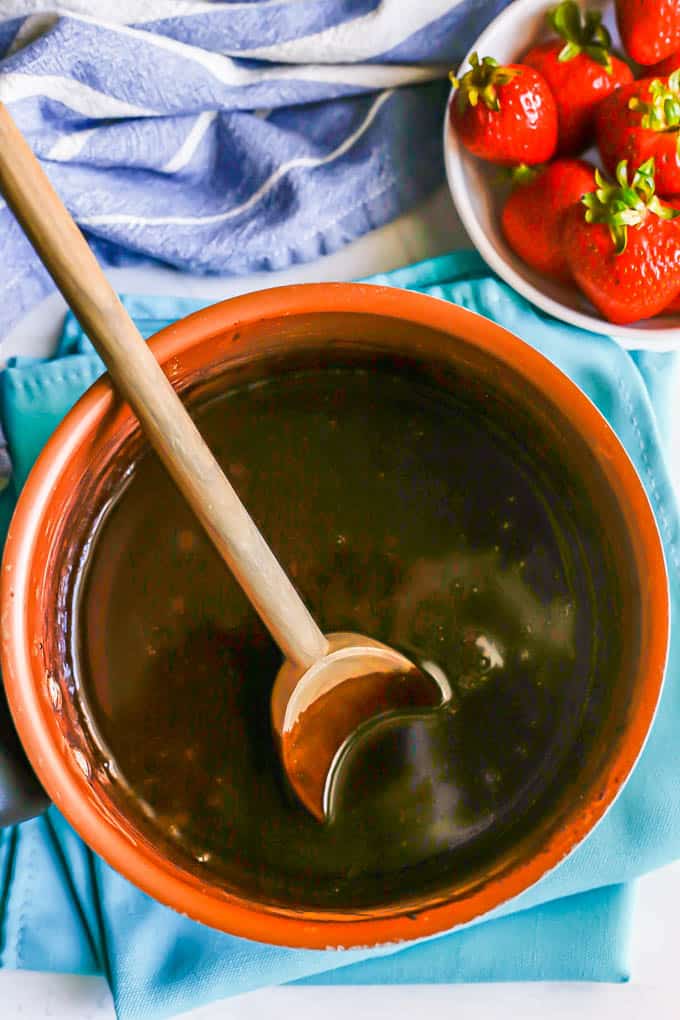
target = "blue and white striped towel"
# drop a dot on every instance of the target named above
(227, 137)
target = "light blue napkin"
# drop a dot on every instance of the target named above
(64, 909)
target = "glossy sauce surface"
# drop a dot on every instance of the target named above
(401, 512)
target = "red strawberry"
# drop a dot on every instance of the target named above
(674, 306)
(640, 121)
(650, 29)
(665, 67)
(624, 250)
(580, 70)
(506, 115)
(532, 216)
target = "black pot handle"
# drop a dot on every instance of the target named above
(21, 795)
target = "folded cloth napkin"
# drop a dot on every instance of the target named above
(65, 909)
(212, 136)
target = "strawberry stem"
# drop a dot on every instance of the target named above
(523, 174)
(481, 82)
(587, 36)
(622, 205)
(662, 113)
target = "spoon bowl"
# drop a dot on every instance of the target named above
(316, 710)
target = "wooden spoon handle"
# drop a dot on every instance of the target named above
(140, 379)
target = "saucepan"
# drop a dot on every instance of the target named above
(243, 341)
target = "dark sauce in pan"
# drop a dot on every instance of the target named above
(400, 512)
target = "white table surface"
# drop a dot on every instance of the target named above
(650, 995)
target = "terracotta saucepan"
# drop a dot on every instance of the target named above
(241, 340)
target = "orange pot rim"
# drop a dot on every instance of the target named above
(145, 866)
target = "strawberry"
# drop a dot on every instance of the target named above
(674, 306)
(506, 115)
(532, 215)
(665, 67)
(642, 120)
(624, 250)
(650, 29)
(580, 70)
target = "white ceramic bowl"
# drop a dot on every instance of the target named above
(478, 194)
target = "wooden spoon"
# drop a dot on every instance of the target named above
(315, 665)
